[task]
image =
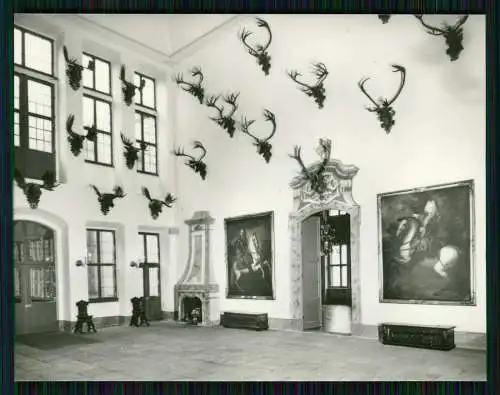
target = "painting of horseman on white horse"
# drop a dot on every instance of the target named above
(426, 244)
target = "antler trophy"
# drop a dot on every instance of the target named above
(454, 35)
(76, 140)
(259, 51)
(156, 205)
(196, 164)
(128, 88)
(195, 88)
(225, 121)
(385, 112)
(263, 145)
(33, 191)
(74, 70)
(317, 90)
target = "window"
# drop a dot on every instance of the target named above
(98, 79)
(145, 124)
(101, 263)
(97, 113)
(150, 255)
(34, 114)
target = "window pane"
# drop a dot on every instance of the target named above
(16, 92)
(102, 76)
(88, 111)
(103, 148)
(18, 46)
(93, 272)
(107, 247)
(343, 254)
(103, 116)
(335, 255)
(89, 150)
(335, 276)
(17, 283)
(38, 53)
(40, 134)
(344, 276)
(92, 246)
(87, 77)
(137, 82)
(150, 130)
(154, 284)
(39, 98)
(142, 256)
(16, 129)
(152, 248)
(43, 283)
(107, 282)
(138, 126)
(148, 93)
(150, 159)
(140, 161)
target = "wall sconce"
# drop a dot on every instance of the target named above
(137, 264)
(81, 263)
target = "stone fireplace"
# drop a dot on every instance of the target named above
(197, 281)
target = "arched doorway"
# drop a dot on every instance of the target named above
(34, 278)
(307, 304)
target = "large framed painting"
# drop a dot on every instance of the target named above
(250, 256)
(426, 245)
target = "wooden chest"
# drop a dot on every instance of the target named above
(422, 336)
(254, 321)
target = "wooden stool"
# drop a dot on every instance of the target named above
(138, 313)
(83, 318)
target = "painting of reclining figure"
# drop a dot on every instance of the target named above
(426, 245)
(249, 243)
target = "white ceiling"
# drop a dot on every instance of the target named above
(164, 33)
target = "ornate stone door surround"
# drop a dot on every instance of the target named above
(306, 203)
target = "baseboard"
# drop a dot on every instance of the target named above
(99, 322)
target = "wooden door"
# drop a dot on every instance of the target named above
(311, 273)
(151, 276)
(34, 278)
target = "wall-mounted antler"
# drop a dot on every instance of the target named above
(74, 70)
(33, 191)
(156, 205)
(196, 164)
(385, 112)
(259, 51)
(384, 18)
(263, 145)
(106, 199)
(195, 88)
(76, 140)
(227, 122)
(131, 153)
(315, 177)
(454, 35)
(317, 90)
(128, 88)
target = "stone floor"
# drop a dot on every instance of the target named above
(169, 351)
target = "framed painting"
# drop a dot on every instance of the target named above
(426, 245)
(250, 256)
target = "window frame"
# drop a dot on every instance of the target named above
(23, 30)
(141, 104)
(110, 133)
(144, 115)
(110, 85)
(99, 264)
(157, 265)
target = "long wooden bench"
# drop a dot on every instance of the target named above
(434, 337)
(254, 321)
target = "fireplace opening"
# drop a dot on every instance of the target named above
(189, 303)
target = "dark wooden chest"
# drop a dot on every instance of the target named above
(244, 320)
(422, 336)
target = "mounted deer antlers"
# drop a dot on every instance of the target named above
(316, 178)
(155, 205)
(33, 191)
(106, 199)
(263, 145)
(385, 112)
(194, 89)
(384, 18)
(317, 90)
(128, 88)
(196, 164)
(454, 35)
(76, 140)
(225, 121)
(259, 51)
(74, 70)
(131, 153)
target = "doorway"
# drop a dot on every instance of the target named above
(150, 243)
(34, 278)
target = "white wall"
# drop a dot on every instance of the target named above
(439, 137)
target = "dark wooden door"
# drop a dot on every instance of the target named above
(34, 278)
(311, 274)
(151, 275)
